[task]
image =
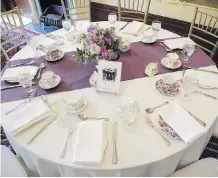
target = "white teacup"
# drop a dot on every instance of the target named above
(124, 45)
(76, 100)
(169, 79)
(48, 78)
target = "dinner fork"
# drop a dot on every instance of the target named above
(25, 102)
(70, 132)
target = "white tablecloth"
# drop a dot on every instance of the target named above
(141, 153)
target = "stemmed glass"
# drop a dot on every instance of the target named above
(190, 84)
(25, 80)
(156, 26)
(66, 23)
(188, 50)
(112, 18)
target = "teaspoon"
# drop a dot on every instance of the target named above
(150, 110)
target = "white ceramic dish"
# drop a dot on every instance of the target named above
(166, 62)
(73, 110)
(46, 87)
(51, 59)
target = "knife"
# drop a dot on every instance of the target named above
(124, 26)
(196, 118)
(13, 86)
(114, 137)
(203, 70)
(150, 123)
(45, 100)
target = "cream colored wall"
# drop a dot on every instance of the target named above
(163, 8)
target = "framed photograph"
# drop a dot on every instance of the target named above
(109, 76)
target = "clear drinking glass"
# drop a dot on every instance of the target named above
(61, 109)
(190, 84)
(25, 80)
(128, 110)
(188, 50)
(156, 26)
(66, 23)
(112, 18)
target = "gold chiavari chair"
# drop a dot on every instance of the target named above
(207, 24)
(76, 9)
(12, 22)
(132, 8)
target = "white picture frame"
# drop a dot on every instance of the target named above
(109, 76)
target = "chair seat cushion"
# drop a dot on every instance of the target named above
(10, 166)
(207, 167)
(53, 16)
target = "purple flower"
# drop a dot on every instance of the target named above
(107, 39)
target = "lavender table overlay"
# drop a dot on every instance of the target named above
(76, 76)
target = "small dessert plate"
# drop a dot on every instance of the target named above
(171, 64)
(167, 130)
(151, 69)
(57, 56)
(46, 86)
(148, 40)
(168, 89)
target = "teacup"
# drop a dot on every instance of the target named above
(48, 78)
(75, 101)
(149, 37)
(151, 69)
(124, 45)
(168, 79)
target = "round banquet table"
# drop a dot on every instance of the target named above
(141, 153)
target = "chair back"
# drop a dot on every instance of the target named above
(133, 10)
(205, 24)
(76, 9)
(12, 29)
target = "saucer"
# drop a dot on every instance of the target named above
(50, 59)
(73, 110)
(167, 130)
(46, 87)
(168, 89)
(166, 63)
(148, 42)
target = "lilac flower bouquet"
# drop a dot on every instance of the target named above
(96, 44)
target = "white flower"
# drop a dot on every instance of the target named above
(95, 49)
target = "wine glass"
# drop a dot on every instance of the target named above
(112, 18)
(188, 50)
(25, 80)
(190, 84)
(66, 23)
(156, 26)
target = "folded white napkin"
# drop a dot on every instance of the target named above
(182, 122)
(25, 116)
(178, 43)
(89, 148)
(133, 28)
(44, 41)
(11, 74)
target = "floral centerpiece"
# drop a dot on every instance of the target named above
(97, 43)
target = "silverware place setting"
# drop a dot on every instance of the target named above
(150, 123)
(199, 92)
(84, 118)
(114, 138)
(42, 66)
(203, 70)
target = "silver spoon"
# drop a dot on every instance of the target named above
(150, 110)
(25, 102)
(70, 132)
(23, 63)
(42, 66)
(84, 118)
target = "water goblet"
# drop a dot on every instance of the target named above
(156, 26)
(25, 80)
(188, 50)
(190, 84)
(112, 18)
(66, 23)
